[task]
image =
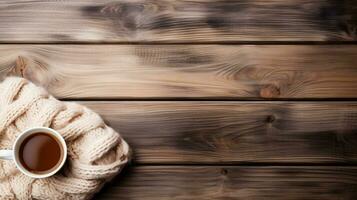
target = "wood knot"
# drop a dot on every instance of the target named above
(270, 119)
(270, 91)
(20, 67)
(224, 171)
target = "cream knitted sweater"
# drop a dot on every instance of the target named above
(96, 153)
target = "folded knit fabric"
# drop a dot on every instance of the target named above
(96, 153)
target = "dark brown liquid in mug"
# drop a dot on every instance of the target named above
(40, 152)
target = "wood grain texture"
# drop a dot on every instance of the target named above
(177, 21)
(285, 183)
(235, 132)
(189, 71)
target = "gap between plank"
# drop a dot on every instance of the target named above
(247, 164)
(214, 99)
(186, 43)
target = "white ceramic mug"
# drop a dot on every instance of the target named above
(14, 153)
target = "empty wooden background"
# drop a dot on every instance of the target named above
(220, 99)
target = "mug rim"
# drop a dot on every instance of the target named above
(23, 136)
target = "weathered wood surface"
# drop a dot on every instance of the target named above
(225, 132)
(186, 71)
(177, 21)
(189, 182)
(221, 149)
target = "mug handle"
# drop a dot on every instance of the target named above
(6, 155)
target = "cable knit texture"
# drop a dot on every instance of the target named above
(96, 153)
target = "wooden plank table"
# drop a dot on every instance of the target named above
(219, 99)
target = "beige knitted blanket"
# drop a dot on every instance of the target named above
(96, 153)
